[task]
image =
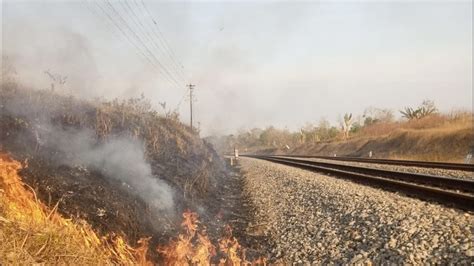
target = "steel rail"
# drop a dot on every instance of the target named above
(423, 191)
(431, 180)
(424, 164)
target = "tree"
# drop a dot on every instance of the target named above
(356, 127)
(268, 136)
(347, 124)
(57, 80)
(409, 113)
(325, 131)
(426, 108)
(373, 115)
(309, 133)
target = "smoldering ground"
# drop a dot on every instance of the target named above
(118, 157)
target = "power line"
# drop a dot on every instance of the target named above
(160, 36)
(149, 30)
(181, 100)
(162, 39)
(127, 37)
(139, 24)
(140, 41)
(141, 49)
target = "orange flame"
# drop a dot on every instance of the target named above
(195, 248)
(25, 213)
(183, 251)
(230, 246)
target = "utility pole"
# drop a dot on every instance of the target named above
(191, 88)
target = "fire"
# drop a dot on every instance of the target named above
(28, 221)
(191, 247)
(194, 247)
(21, 200)
(230, 246)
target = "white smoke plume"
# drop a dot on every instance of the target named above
(120, 158)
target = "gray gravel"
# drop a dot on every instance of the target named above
(400, 168)
(313, 218)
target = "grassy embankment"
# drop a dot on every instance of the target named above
(75, 212)
(435, 138)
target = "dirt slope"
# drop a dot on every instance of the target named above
(48, 131)
(442, 144)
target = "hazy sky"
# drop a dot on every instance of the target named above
(254, 63)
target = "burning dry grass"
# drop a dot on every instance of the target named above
(31, 233)
(31, 119)
(195, 248)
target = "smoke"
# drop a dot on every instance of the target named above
(120, 157)
(259, 62)
(36, 44)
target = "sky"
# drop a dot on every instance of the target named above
(254, 63)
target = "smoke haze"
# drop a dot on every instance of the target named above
(255, 63)
(118, 157)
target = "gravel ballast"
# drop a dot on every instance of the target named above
(312, 218)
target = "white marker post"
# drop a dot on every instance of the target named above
(468, 158)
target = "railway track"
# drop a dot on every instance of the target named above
(453, 192)
(425, 164)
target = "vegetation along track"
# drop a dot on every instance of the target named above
(441, 165)
(450, 191)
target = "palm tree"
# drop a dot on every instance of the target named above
(426, 108)
(347, 124)
(410, 114)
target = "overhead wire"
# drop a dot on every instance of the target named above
(153, 58)
(160, 36)
(149, 30)
(181, 100)
(137, 21)
(141, 49)
(131, 41)
(139, 52)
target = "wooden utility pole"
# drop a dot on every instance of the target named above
(191, 88)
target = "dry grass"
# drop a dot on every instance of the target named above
(454, 121)
(175, 153)
(445, 143)
(167, 140)
(30, 233)
(439, 137)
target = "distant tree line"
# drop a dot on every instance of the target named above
(349, 125)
